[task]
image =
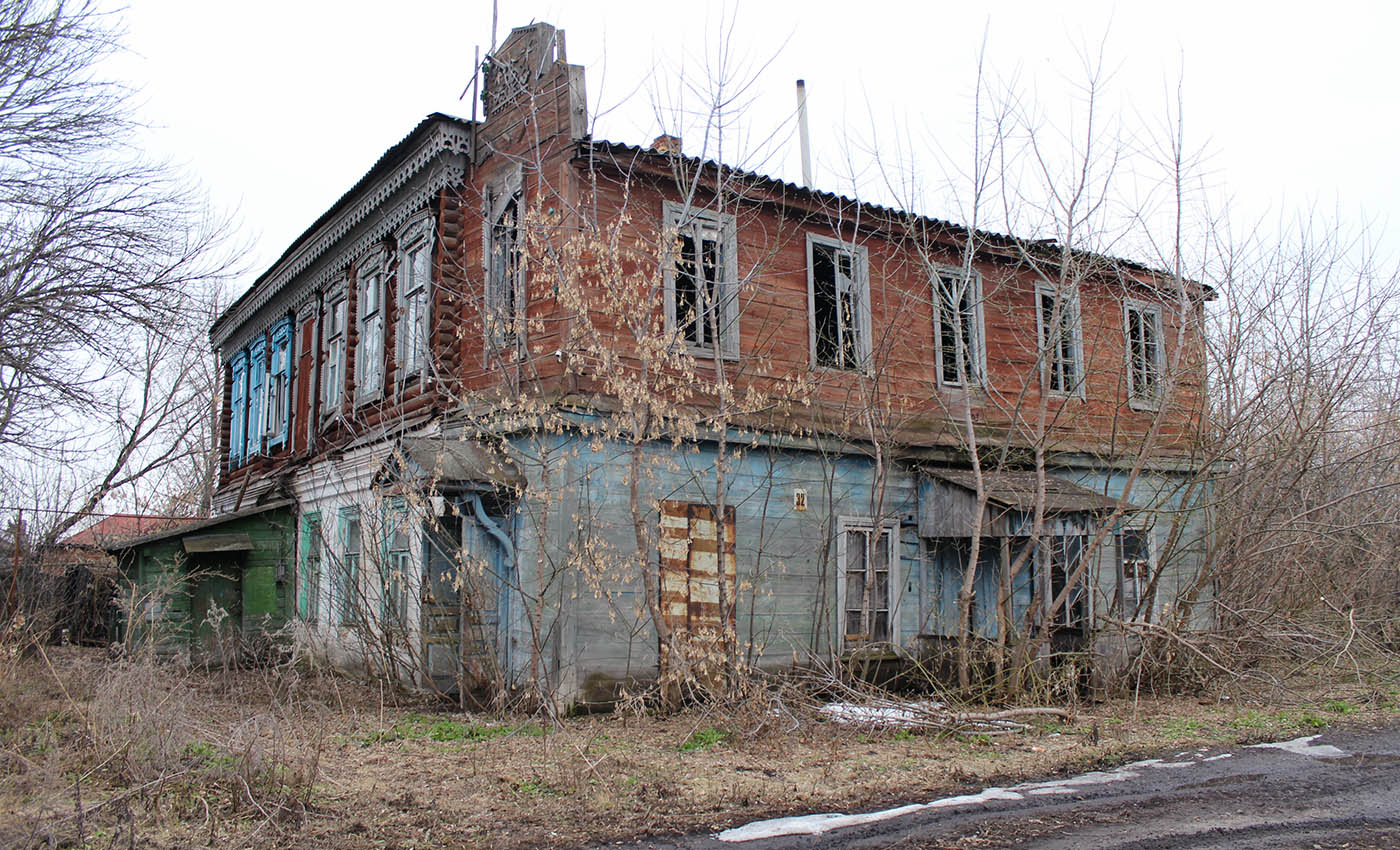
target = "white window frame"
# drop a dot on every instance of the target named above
(974, 371)
(1052, 360)
(334, 318)
(1139, 585)
(369, 319)
(679, 220)
(859, 281)
(1149, 315)
(280, 386)
(871, 526)
(504, 330)
(412, 343)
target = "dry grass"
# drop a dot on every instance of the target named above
(282, 759)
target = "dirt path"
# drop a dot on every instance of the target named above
(1339, 789)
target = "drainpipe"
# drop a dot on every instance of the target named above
(493, 529)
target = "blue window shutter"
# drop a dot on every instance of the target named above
(238, 400)
(257, 374)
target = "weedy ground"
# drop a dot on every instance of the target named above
(102, 754)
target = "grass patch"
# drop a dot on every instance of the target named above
(1340, 706)
(1183, 727)
(703, 739)
(414, 727)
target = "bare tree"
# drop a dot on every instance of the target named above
(102, 256)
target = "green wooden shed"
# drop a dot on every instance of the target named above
(212, 584)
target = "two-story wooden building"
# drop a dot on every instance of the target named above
(510, 382)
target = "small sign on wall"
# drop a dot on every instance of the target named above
(799, 499)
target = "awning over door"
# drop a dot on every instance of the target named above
(948, 501)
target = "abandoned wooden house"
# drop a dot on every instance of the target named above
(526, 406)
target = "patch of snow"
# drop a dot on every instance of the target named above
(1305, 747)
(828, 821)
(1217, 758)
(845, 712)
(1175, 764)
(985, 796)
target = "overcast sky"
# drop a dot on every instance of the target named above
(278, 107)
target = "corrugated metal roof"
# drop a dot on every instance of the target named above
(1045, 249)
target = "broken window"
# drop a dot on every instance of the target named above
(1057, 316)
(702, 281)
(1135, 576)
(840, 304)
(505, 296)
(867, 581)
(369, 358)
(1143, 325)
(1064, 556)
(958, 335)
(333, 366)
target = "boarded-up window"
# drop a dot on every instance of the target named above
(690, 569)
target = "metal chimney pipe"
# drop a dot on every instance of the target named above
(802, 133)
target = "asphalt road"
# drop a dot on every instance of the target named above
(1340, 789)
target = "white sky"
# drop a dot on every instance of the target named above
(278, 107)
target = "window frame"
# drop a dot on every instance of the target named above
(279, 384)
(1150, 540)
(977, 351)
(396, 563)
(413, 344)
(311, 556)
(257, 390)
(868, 525)
(370, 278)
(503, 332)
(238, 407)
(860, 282)
(334, 317)
(1054, 544)
(676, 220)
(1052, 362)
(1145, 310)
(349, 565)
